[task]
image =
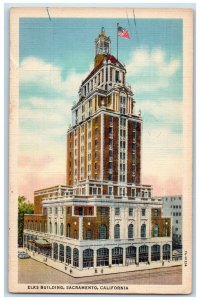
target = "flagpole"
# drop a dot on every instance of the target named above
(117, 39)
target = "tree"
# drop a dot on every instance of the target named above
(23, 208)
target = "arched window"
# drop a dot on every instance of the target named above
(103, 257)
(61, 253)
(75, 257)
(102, 232)
(50, 227)
(166, 252)
(75, 234)
(56, 228)
(130, 231)
(68, 255)
(68, 230)
(143, 253)
(61, 229)
(88, 258)
(143, 230)
(55, 251)
(155, 230)
(155, 252)
(130, 255)
(88, 234)
(117, 231)
(117, 256)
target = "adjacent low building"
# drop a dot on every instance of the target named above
(172, 206)
(104, 217)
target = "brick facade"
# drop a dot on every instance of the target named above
(93, 223)
(162, 223)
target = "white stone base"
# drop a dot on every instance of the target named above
(75, 272)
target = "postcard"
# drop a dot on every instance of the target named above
(100, 150)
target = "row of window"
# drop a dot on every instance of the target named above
(176, 214)
(55, 210)
(175, 206)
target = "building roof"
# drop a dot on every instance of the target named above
(107, 57)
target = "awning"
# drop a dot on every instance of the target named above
(42, 243)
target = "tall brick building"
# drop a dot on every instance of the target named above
(104, 216)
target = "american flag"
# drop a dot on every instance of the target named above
(123, 32)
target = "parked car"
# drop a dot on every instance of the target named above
(23, 255)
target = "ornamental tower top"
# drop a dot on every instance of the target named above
(102, 47)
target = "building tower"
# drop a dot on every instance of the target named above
(104, 142)
(104, 216)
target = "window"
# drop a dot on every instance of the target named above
(110, 153)
(122, 190)
(143, 230)
(88, 258)
(130, 212)
(56, 210)
(133, 192)
(75, 234)
(56, 228)
(176, 221)
(50, 227)
(103, 257)
(110, 119)
(155, 212)
(103, 211)
(143, 212)
(94, 191)
(102, 232)
(68, 211)
(155, 230)
(68, 255)
(117, 211)
(130, 231)
(179, 214)
(110, 165)
(117, 231)
(68, 230)
(110, 142)
(110, 130)
(61, 229)
(110, 190)
(117, 76)
(75, 257)
(109, 176)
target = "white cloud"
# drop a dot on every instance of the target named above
(34, 70)
(150, 71)
(165, 110)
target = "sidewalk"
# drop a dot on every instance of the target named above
(73, 271)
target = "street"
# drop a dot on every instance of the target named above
(32, 271)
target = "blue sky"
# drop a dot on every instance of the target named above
(56, 55)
